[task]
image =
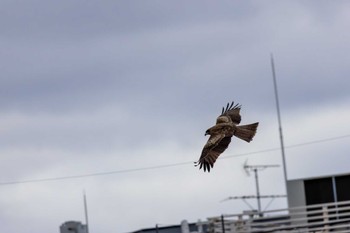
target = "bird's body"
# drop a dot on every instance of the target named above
(220, 135)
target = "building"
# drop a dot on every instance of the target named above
(185, 227)
(318, 190)
(73, 227)
(315, 204)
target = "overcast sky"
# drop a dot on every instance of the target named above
(128, 88)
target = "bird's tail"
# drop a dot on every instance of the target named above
(246, 132)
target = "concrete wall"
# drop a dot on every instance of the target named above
(296, 193)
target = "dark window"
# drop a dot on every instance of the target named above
(343, 194)
(343, 188)
(318, 191)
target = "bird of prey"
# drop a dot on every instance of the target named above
(220, 135)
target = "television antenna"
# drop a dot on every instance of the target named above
(256, 168)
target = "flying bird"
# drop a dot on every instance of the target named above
(220, 135)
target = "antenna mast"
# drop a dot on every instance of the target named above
(279, 122)
(255, 169)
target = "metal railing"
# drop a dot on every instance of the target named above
(329, 217)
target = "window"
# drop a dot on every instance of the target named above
(318, 191)
(343, 187)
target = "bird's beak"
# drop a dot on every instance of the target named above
(206, 133)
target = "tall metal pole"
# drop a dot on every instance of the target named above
(86, 214)
(223, 223)
(279, 122)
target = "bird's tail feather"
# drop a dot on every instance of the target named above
(246, 132)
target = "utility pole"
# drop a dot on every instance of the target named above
(223, 224)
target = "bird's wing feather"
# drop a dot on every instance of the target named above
(222, 146)
(213, 148)
(232, 111)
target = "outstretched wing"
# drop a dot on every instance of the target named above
(213, 148)
(232, 111)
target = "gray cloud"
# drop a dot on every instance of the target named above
(90, 87)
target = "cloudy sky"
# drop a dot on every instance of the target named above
(114, 97)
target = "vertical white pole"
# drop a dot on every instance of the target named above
(279, 123)
(86, 214)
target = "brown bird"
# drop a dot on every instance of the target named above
(221, 133)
